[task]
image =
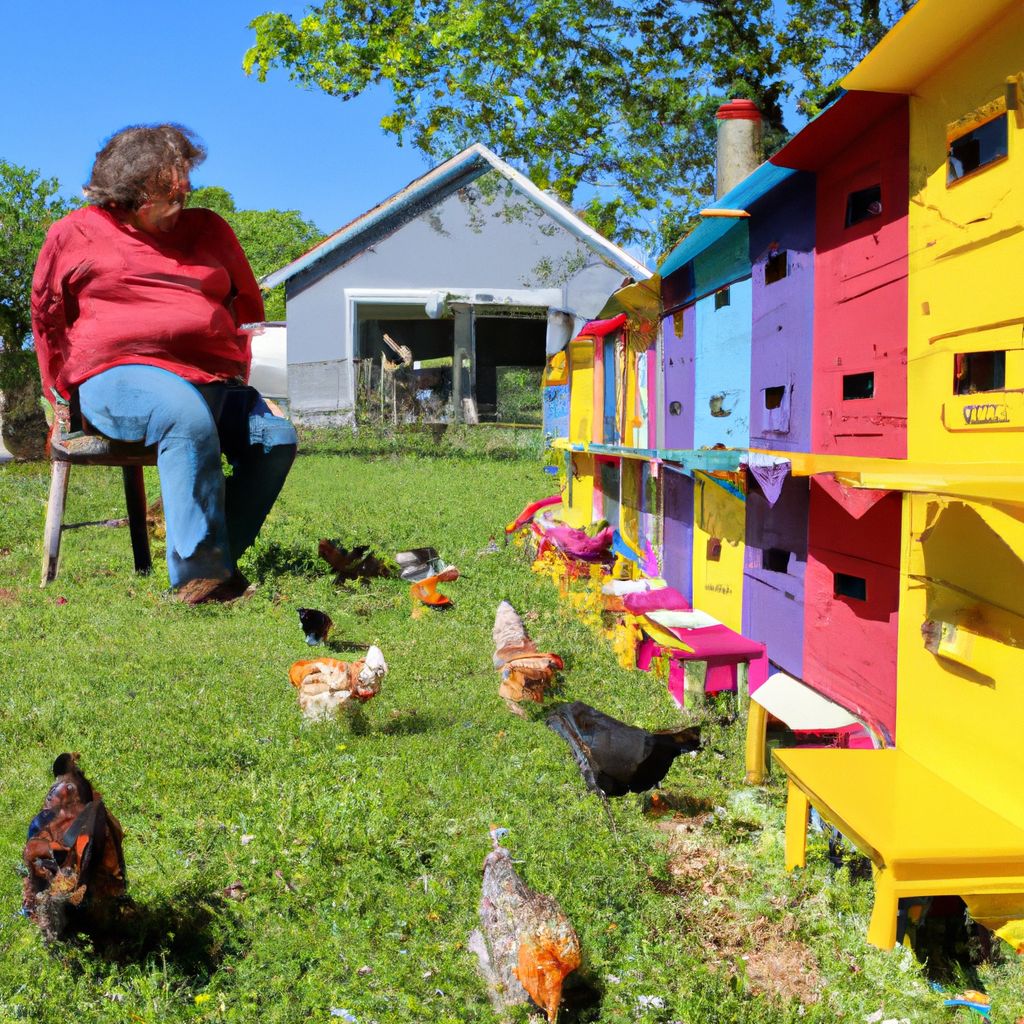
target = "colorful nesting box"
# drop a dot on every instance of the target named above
(781, 365)
(852, 598)
(858, 149)
(775, 564)
(718, 549)
(677, 530)
(678, 351)
(966, 345)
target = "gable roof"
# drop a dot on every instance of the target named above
(425, 192)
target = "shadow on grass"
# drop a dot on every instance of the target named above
(581, 999)
(191, 930)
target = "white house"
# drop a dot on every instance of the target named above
(470, 266)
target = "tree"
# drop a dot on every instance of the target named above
(270, 238)
(608, 103)
(29, 204)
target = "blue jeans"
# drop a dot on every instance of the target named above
(210, 520)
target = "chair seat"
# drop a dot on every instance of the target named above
(87, 449)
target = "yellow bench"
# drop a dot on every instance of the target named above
(924, 836)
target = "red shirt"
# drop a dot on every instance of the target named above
(105, 293)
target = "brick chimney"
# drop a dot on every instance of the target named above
(739, 143)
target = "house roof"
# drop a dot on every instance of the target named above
(425, 192)
(927, 36)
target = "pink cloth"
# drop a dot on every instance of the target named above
(578, 544)
(666, 599)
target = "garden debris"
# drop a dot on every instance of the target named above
(326, 684)
(76, 873)
(315, 624)
(526, 946)
(492, 547)
(526, 672)
(352, 563)
(236, 891)
(425, 592)
(420, 564)
(615, 758)
(970, 998)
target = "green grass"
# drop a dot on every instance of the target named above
(369, 834)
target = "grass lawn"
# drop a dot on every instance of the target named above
(362, 873)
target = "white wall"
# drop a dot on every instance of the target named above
(486, 243)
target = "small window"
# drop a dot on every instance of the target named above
(858, 385)
(775, 560)
(714, 549)
(773, 397)
(776, 267)
(976, 149)
(853, 587)
(863, 204)
(675, 408)
(722, 298)
(978, 371)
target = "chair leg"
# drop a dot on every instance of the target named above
(798, 807)
(59, 474)
(757, 726)
(135, 499)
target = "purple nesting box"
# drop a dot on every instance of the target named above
(677, 530)
(781, 368)
(775, 563)
(679, 332)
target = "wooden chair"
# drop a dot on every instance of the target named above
(72, 443)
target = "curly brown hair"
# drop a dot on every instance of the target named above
(142, 161)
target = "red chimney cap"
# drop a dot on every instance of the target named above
(739, 110)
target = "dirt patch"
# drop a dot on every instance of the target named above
(8, 596)
(766, 954)
(772, 961)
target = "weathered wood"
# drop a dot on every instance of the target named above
(59, 473)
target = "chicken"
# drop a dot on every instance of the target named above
(526, 946)
(526, 673)
(425, 592)
(326, 684)
(354, 564)
(76, 873)
(616, 758)
(315, 624)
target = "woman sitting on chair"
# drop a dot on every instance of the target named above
(137, 310)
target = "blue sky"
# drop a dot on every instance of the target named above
(72, 73)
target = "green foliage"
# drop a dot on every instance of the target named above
(368, 834)
(29, 204)
(270, 238)
(607, 101)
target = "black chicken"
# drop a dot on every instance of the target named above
(76, 874)
(616, 758)
(315, 624)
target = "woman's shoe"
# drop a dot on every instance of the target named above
(204, 591)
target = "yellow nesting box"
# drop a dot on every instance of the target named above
(966, 224)
(581, 390)
(719, 522)
(960, 702)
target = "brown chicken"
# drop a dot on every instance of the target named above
(526, 945)
(526, 672)
(76, 875)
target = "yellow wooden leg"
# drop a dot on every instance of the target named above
(757, 727)
(798, 807)
(882, 929)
